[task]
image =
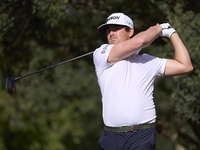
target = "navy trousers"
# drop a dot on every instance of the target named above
(140, 140)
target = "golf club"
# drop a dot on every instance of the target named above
(10, 82)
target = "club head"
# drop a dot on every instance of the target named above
(10, 85)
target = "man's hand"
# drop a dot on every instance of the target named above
(167, 30)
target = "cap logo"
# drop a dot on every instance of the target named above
(113, 18)
(129, 23)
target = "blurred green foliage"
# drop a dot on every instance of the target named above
(60, 108)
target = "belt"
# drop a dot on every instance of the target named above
(133, 128)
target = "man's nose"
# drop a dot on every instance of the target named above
(111, 32)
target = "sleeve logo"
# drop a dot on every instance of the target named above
(104, 49)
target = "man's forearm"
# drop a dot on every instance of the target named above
(143, 39)
(181, 53)
(181, 64)
(150, 35)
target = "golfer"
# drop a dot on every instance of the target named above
(126, 81)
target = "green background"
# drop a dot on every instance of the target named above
(60, 108)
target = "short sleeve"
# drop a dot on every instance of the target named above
(100, 57)
(160, 66)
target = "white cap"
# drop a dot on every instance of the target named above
(118, 19)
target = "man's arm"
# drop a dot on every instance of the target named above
(181, 64)
(127, 48)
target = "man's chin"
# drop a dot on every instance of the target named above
(112, 42)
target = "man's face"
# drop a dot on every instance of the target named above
(117, 34)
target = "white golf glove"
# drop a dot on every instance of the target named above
(167, 30)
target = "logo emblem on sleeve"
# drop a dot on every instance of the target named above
(104, 49)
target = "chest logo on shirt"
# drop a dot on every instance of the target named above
(104, 49)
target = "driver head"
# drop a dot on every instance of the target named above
(10, 85)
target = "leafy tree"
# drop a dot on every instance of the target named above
(182, 91)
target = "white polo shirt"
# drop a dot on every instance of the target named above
(127, 87)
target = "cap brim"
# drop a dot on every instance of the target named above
(102, 28)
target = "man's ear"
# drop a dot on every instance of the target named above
(131, 32)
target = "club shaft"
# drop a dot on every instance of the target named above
(55, 65)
